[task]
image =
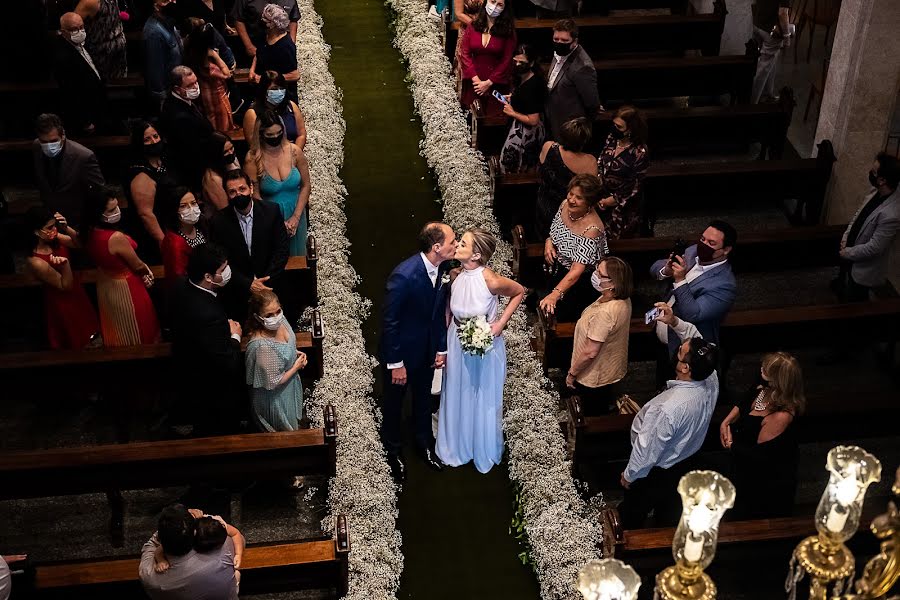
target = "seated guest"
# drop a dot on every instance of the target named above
(149, 173)
(702, 289)
(191, 575)
(65, 170)
(560, 161)
(279, 52)
(255, 240)
(222, 158)
(279, 173)
(127, 316)
(183, 232)
(762, 437)
(273, 366)
(600, 350)
(271, 95)
(186, 130)
(206, 344)
(212, 74)
(162, 49)
(247, 16)
(526, 133)
(80, 83)
(621, 166)
(572, 82)
(211, 533)
(670, 429)
(105, 36)
(69, 315)
(576, 243)
(485, 56)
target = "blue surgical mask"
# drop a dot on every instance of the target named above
(52, 149)
(275, 96)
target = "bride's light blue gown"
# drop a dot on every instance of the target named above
(469, 420)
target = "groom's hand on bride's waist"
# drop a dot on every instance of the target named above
(398, 376)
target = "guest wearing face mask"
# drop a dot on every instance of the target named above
(186, 129)
(127, 316)
(64, 169)
(206, 345)
(522, 148)
(105, 36)
(222, 158)
(621, 166)
(600, 354)
(279, 52)
(702, 290)
(572, 83)
(184, 232)
(80, 83)
(485, 56)
(148, 173)
(273, 366)
(162, 49)
(271, 95)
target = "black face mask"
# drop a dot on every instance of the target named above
(227, 159)
(155, 149)
(274, 141)
(562, 48)
(617, 133)
(170, 10)
(240, 202)
(522, 68)
(873, 179)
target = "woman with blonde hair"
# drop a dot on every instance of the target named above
(763, 442)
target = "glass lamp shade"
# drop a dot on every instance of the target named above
(852, 471)
(608, 579)
(705, 496)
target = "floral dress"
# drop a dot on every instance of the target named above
(622, 175)
(106, 41)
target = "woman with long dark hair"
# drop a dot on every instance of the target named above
(485, 56)
(222, 158)
(522, 149)
(271, 94)
(184, 231)
(621, 165)
(212, 74)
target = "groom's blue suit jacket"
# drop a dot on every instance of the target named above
(414, 326)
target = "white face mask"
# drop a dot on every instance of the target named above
(189, 215)
(77, 37)
(115, 217)
(492, 10)
(271, 323)
(226, 277)
(51, 149)
(192, 93)
(597, 281)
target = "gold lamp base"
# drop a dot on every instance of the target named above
(679, 583)
(824, 560)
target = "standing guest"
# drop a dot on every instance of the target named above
(127, 316)
(222, 158)
(559, 162)
(148, 174)
(80, 83)
(191, 575)
(224, 57)
(211, 532)
(572, 82)
(183, 232)
(65, 170)
(254, 237)
(669, 429)
(105, 36)
(212, 73)
(279, 52)
(247, 16)
(485, 56)
(522, 148)
(210, 11)
(280, 175)
(271, 94)
(576, 243)
(600, 351)
(621, 166)
(162, 49)
(772, 31)
(186, 129)
(206, 344)
(763, 442)
(273, 366)
(464, 12)
(70, 318)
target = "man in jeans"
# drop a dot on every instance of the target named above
(772, 32)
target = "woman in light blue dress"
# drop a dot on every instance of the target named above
(280, 175)
(273, 364)
(471, 413)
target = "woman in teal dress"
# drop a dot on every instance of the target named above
(273, 364)
(280, 175)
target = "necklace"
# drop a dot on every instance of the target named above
(758, 404)
(573, 219)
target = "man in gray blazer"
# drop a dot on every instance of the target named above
(65, 170)
(572, 81)
(866, 244)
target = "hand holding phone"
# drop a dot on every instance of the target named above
(650, 315)
(500, 97)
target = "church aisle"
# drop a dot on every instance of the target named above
(454, 524)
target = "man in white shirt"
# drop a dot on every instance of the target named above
(572, 83)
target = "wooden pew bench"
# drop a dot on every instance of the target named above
(114, 143)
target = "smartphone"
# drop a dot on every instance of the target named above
(651, 315)
(678, 249)
(499, 97)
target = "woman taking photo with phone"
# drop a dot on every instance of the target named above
(526, 132)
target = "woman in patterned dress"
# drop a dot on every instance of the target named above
(621, 166)
(212, 74)
(105, 37)
(522, 148)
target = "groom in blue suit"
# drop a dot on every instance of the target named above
(414, 342)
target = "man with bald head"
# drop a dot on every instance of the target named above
(82, 88)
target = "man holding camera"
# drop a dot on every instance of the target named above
(701, 292)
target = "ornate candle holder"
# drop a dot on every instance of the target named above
(608, 579)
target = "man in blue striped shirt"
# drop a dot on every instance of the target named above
(670, 429)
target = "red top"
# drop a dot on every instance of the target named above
(493, 62)
(70, 316)
(175, 254)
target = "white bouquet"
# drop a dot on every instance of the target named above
(475, 335)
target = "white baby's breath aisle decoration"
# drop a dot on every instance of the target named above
(561, 535)
(362, 489)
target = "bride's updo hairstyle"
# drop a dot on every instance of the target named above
(483, 243)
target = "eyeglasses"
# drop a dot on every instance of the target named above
(704, 350)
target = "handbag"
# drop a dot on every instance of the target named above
(627, 406)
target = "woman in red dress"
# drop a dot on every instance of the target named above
(127, 316)
(485, 56)
(70, 316)
(183, 234)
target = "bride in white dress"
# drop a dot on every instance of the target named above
(469, 421)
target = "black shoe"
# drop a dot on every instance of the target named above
(398, 469)
(431, 459)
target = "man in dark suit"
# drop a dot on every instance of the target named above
(414, 342)
(80, 84)
(206, 344)
(186, 130)
(65, 170)
(255, 240)
(572, 81)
